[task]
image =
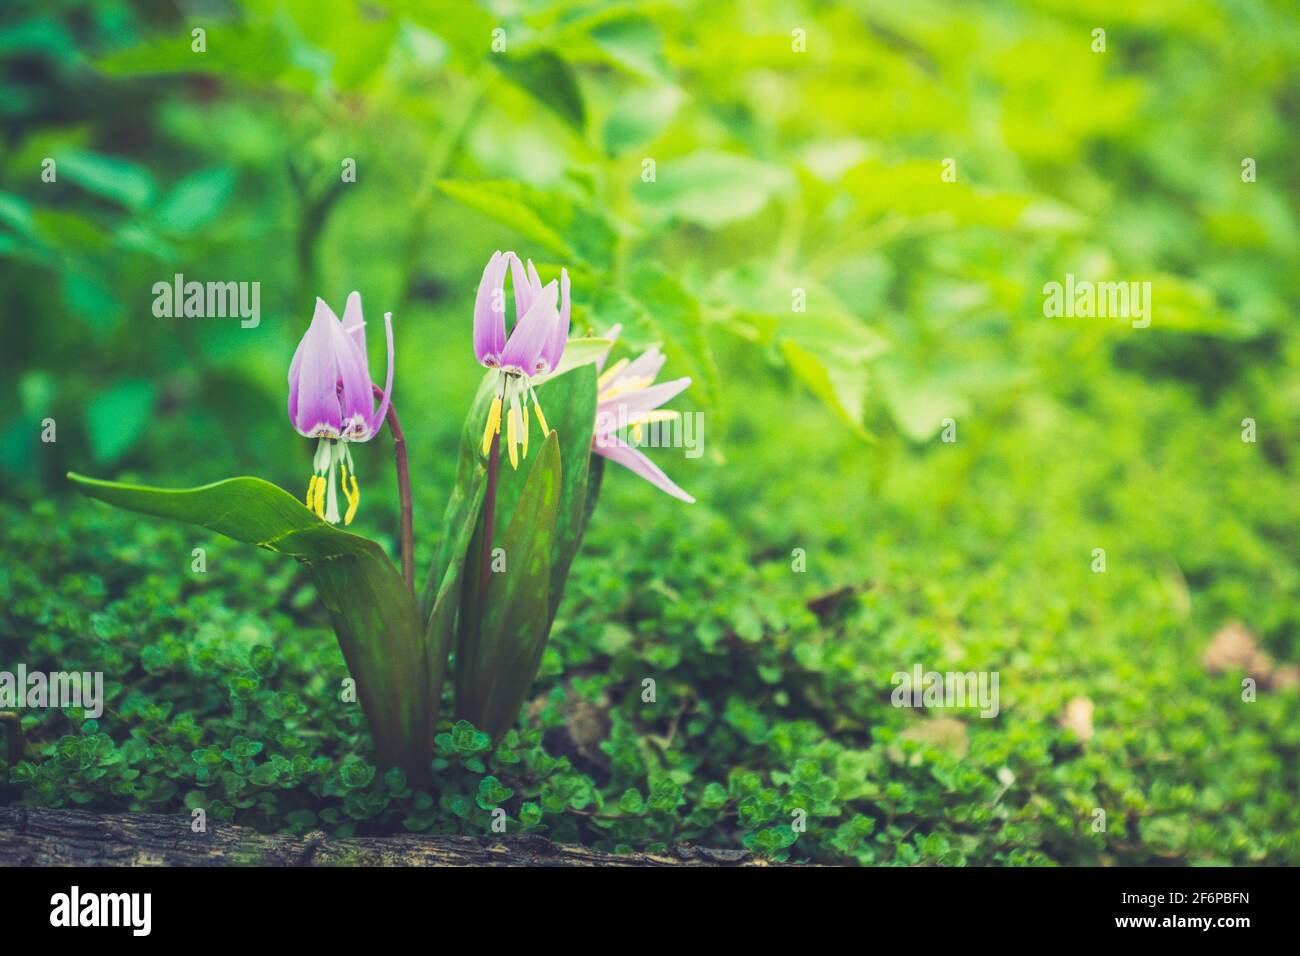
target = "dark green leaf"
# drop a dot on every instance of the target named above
(373, 613)
(110, 177)
(550, 79)
(118, 417)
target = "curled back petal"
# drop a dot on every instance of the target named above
(635, 461)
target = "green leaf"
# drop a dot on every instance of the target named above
(639, 116)
(240, 51)
(503, 630)
(544, 75)
(491, 793)
(16, 213)
(919, 405)
(825, 345)
(353, 40)
(657, 301)
(634, 43)
(109, 177)
(511, 204)
(712, 188)
(196, 200)
(843, 390)
(574, 231)
(118, 417)
(569, 403)
(582, 350)
(373, 613)
(94, 302)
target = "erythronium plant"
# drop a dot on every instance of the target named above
(508, 536)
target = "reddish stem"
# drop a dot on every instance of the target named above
(403, 493)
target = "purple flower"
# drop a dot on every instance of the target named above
(626, 397)
(532, 350)
(331, 397)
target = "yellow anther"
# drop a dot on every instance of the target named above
(321, 488)
(610, 373)
(311, 493)
(626, 385)
(541, 419)
(510, 438)
(658, 415)
(493, 424)
(353, 495)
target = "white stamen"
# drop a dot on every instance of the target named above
(332, 497)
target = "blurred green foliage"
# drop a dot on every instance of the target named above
(774, 170)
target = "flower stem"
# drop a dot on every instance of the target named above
(403, 493)
(489, 510)
(13, 737)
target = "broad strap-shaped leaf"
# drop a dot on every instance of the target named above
(569, 402)
(373, 613)
(504, 624)
(570, 405)
(247, 509)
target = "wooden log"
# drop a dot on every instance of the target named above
(39, 837)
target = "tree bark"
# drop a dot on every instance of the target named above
(39, 837)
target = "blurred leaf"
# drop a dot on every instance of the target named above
(712, 188)
(639, 116)
(241, 51)
(575, 232)
(196, 200)
(919, 405)
(354, 38)
(843, 390)
(659, 303)
(90, 299)
(466, 27)
(634, 43)
(69, 232)
(117, 417)
(544, 75)
(110, 177)
(16, 213)
(44, 35)
(512, 204)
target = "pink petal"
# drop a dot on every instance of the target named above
(354, 323)
(644, 399)
(531, 332)
(313, 396)
(645, 366)
(527, 287)
(490, 325)
(612, 335)
(632, 459)
(553, 348)
(378, 419)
